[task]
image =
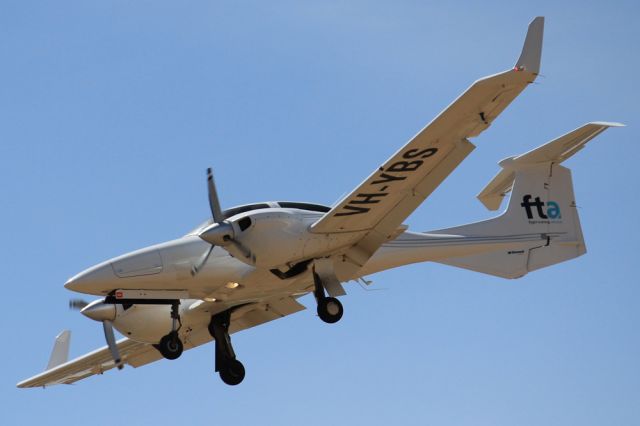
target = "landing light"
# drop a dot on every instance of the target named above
(232, 285)
(209, 299)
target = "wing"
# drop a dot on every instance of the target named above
(393, 191)
(96, 362)
(137, 354)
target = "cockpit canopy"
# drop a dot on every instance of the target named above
(257, 206)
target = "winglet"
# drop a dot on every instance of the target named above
(60, 352)
(529, 59)
(556, 151)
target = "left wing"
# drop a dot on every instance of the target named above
(96, 362)
(137, 354)
(379, 205)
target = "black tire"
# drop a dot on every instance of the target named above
(330, 310)
(170, 346)
(233, 372)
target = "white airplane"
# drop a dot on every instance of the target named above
(248, 265)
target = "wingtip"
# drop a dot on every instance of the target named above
(531, 54)
(608, 124)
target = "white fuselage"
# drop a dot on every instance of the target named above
(226, 280)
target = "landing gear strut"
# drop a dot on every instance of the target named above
(170, 346)
(230, 369)
(329, 308)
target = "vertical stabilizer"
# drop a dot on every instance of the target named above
(542, 207)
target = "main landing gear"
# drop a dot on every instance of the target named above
(170, 346)
(329, 308)
(230, 369)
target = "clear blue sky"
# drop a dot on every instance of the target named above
(110, 111)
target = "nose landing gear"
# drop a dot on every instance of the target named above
(230, 369)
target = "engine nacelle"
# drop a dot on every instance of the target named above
(149, 323)
(143, 323)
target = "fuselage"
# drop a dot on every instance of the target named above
(283, 248)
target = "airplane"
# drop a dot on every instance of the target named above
(249, 265)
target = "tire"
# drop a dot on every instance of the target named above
(233, 372)
(170, 346)
(330, 310)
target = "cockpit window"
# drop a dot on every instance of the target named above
(230, 213)
(304, 206)
(241, 209)
(248, 207)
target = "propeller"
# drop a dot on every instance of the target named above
(77, 304)
(220, 232)
(98, 310)
(198, 266)
(111, 343)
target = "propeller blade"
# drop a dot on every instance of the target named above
(77, 304)
(220, 232)
(214, 202)
(198, 266)
(111, 342)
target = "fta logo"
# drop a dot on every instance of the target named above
(550, 210)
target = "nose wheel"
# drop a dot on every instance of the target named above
(170, 346)
(230, 369)
(330, 309)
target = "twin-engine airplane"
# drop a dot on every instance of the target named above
(248, 265)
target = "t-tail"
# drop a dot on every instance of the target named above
(539, 228)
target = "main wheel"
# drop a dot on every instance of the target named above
(330, 310)
(232, 373)
(170, 346)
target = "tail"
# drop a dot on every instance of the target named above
(541, 212)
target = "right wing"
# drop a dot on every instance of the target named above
(137, 354)
(378, 206)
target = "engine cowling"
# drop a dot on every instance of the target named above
(143, 323)
(277, 238)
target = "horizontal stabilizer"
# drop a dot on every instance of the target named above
(555, 151)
